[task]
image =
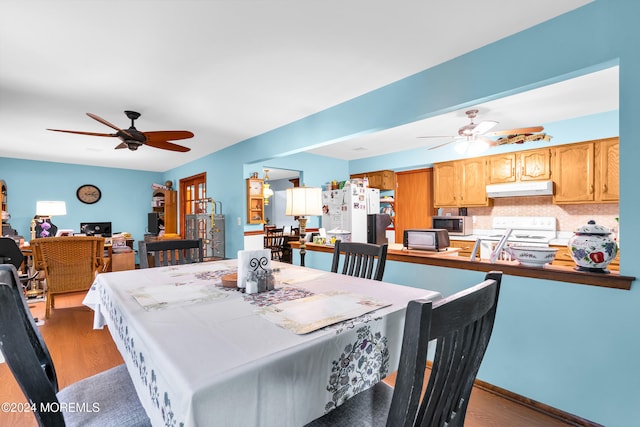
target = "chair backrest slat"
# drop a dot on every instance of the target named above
(170, 252)
(364, 260)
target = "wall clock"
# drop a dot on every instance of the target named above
(88, 194)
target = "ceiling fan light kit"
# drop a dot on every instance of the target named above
(476, 135)
(132, 138)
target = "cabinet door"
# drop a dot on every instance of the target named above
(535, 165)
(501, 168)
(473, 183)
(573, 173)
(444, 185)
(609, 176)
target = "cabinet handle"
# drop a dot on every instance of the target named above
(604, 188)
(591, 189)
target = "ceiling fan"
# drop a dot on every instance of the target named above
(132, 138)
(480, 132)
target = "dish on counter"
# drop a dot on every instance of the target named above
(532, 256)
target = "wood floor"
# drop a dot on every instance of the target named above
(78, 351)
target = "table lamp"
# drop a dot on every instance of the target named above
(303, 202)
(41, 225)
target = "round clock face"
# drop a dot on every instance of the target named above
(255, 188)
(88, 194)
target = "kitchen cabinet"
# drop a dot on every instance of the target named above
(382, 180)
(523, 166)
(586, 172)
(465, 246)
(255, 201)
(608, 157)
(460, 183)
(165, 204)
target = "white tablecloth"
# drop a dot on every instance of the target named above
(211, 359)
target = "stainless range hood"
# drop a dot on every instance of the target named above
(519, 189)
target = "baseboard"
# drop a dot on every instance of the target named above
(536, 406)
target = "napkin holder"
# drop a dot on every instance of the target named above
(252, 260)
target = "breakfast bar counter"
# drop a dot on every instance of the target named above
(513, 268)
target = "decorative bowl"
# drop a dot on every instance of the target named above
(592, 248)
(532, 256)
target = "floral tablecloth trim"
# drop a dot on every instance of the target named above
(362, 364)
(161, 399)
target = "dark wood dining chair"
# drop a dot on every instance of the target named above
(109, 397)
(170, 252)
(462, 324)
(359, 259)
(274, 240)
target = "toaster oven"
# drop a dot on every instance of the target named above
(431, 239)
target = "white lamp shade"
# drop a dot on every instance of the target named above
(266, 191)
(303, 201)
(51, 208)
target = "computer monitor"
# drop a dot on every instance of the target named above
(96, 228)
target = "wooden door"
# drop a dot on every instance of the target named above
(574, 173)
(193, 193)
(445, 184)
(609, 157)
(535, 165)
(413, 200)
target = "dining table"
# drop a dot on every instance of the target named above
(204, 354)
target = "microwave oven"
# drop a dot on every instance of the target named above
(426, 239)
(455, 225)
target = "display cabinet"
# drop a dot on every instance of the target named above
(255, 201)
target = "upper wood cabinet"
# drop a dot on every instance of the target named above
(586, 172)
(608, 155)
(382, 180)
(529, 165)
(460, 183)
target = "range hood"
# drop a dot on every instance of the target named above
(519, 189)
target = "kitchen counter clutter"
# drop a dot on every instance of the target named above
(449, 259)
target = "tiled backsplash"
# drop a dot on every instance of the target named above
(569, 217)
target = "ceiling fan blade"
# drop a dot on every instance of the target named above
(442, 145)
(167, 135)
(517, 131)
(166, 145)
(436, 136)
(84, 133)
(111, 125)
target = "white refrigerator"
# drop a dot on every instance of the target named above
(346, 210)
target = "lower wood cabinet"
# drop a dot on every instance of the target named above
(466, 246)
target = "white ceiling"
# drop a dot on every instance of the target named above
(232, 69)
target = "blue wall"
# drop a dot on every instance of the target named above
(126, 194)
(570, 346)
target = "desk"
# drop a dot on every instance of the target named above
(218, 362)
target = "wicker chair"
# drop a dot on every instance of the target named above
(70, 264)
